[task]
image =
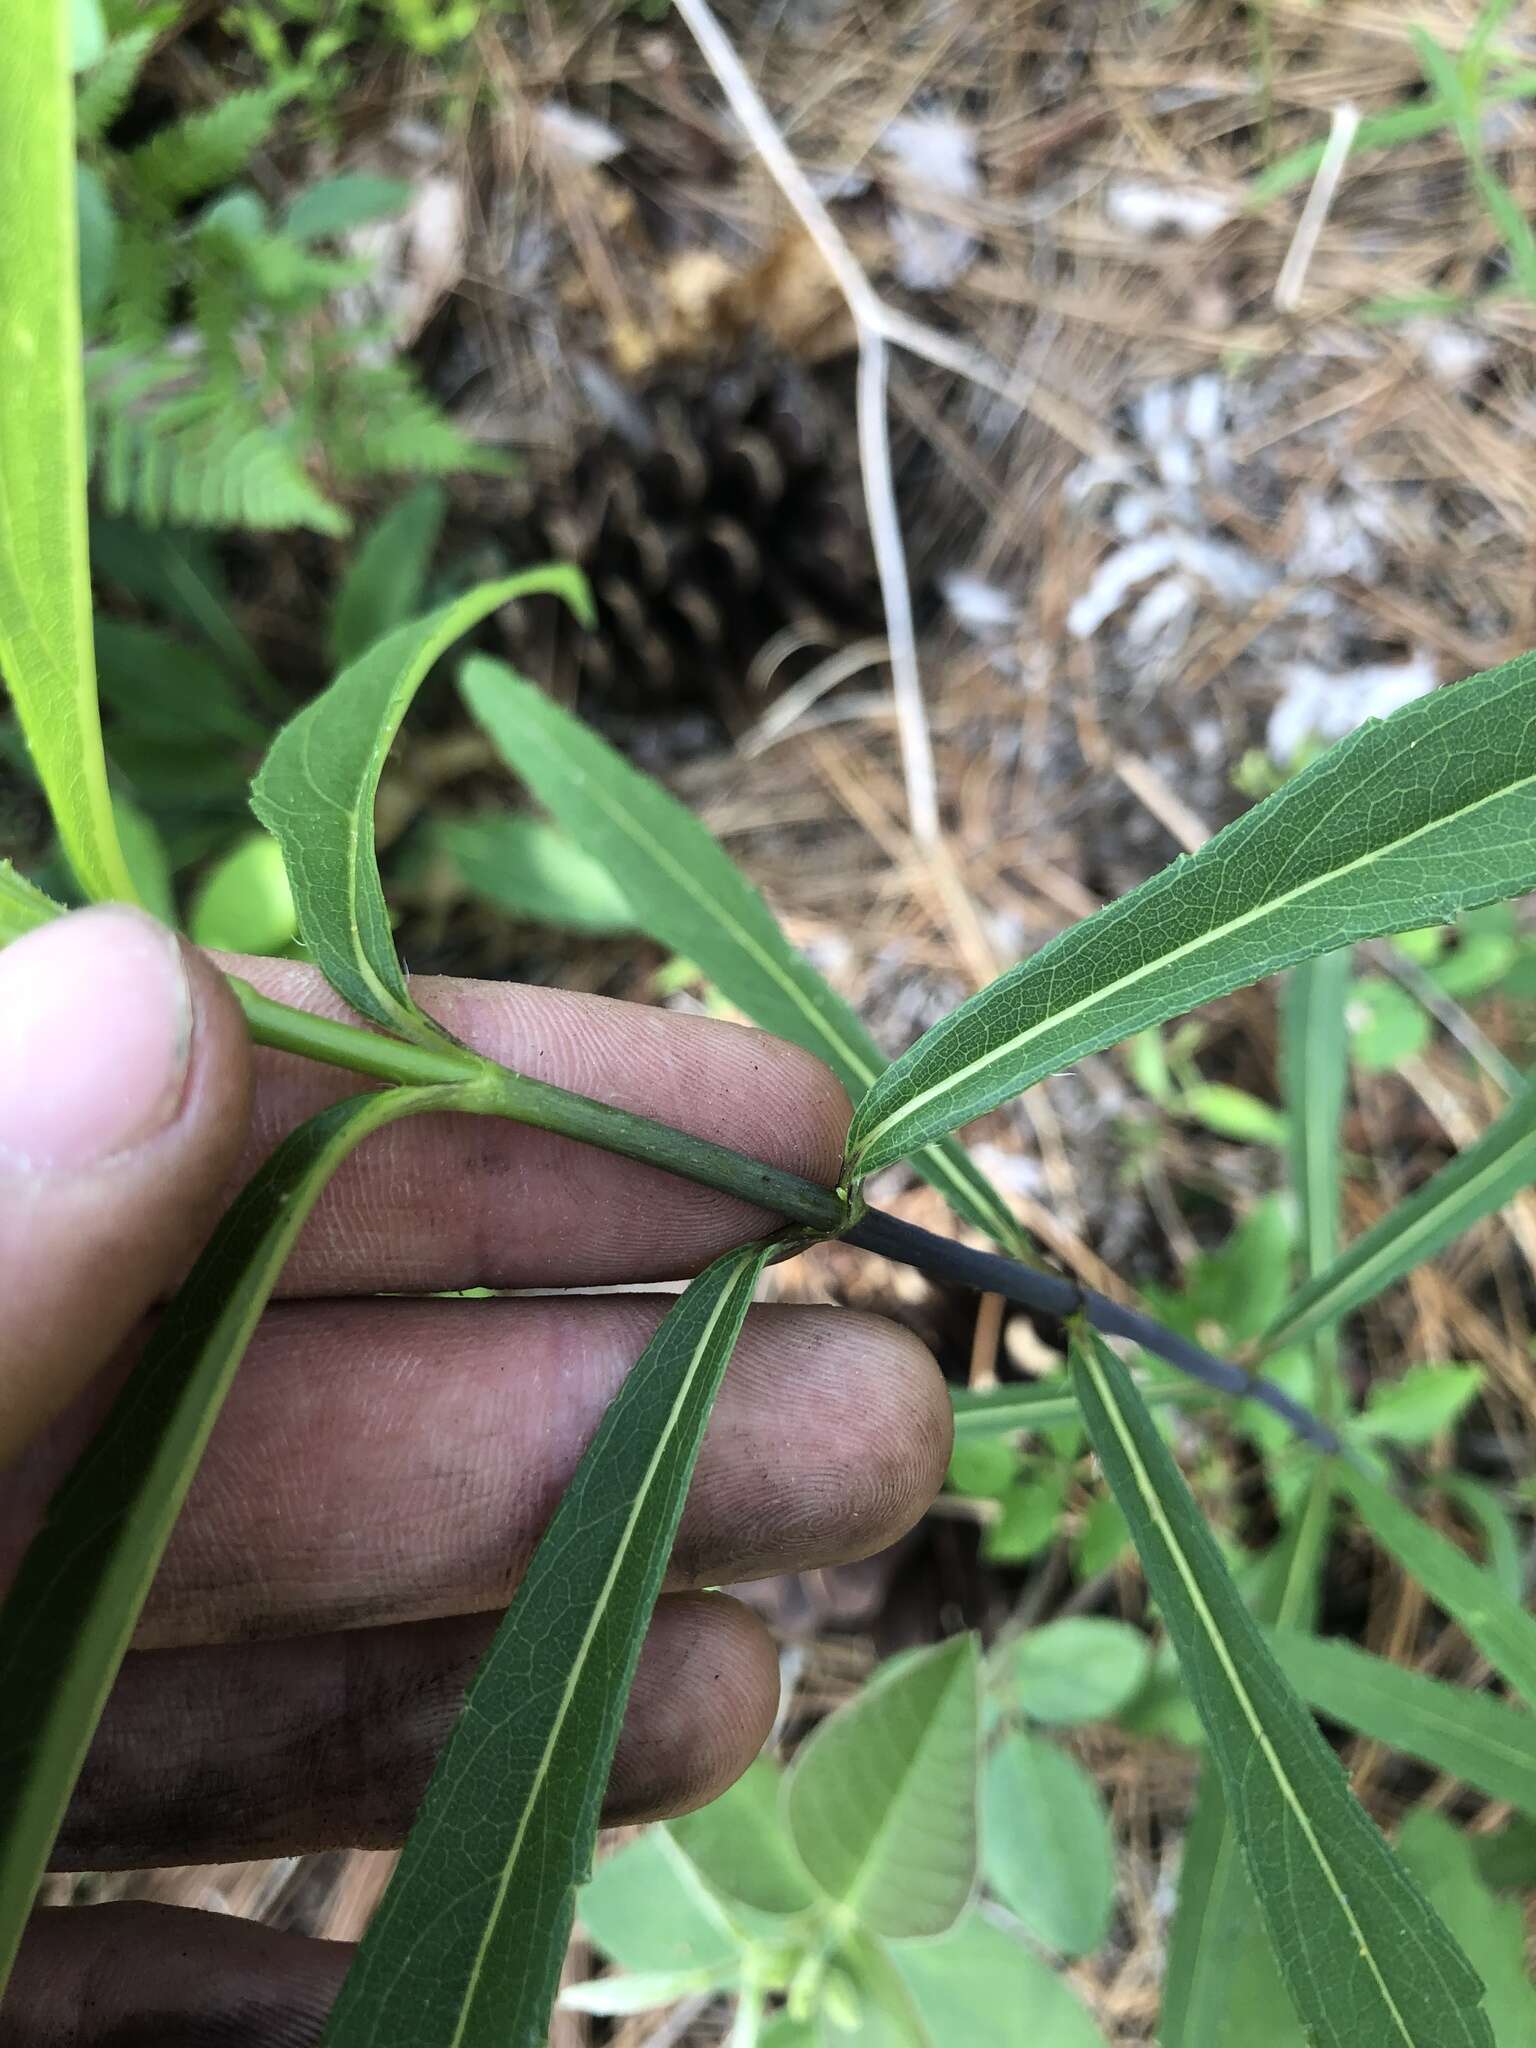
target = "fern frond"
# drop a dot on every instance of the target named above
(169, 449)
(105, 90)
(385, 425)
(203, 150)
(143, 282)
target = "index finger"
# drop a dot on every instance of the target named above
(440, 1202)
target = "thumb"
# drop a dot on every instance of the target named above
(124, 1092)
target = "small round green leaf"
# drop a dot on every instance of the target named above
(1386, 1025)
(1079, 1669)
(980, 1986)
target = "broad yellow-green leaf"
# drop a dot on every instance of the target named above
(1366, 1961)
(506, 1831)
(1047, 1852)
(316, 790)
(70, 1612)
(1475, 1183)
(648, 1909)
(45, 588)
(686, 891)
(22, 905)
(1408, 821)
(979, 1987)
(740, 1845)
(1470, 1593)
(1417, 1408)
(882, 1799)
(1467, 1735)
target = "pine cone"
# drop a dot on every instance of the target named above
(724, 511)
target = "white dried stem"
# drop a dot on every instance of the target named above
(1291, 282)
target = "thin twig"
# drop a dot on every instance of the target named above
(917, 763)
(875, 324)
(1050, 1294)
(1449, 1014)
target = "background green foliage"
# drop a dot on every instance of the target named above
(224, 386)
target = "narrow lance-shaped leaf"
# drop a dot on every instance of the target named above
(1468, 1735)
(1222, 1974)
(71, 1610)
(316, 789)
(1470, 1593)
(1365, 1960)
(1475, 1183)
(45, 587)
(465, 1950)
(687, 892)
(1408, 821)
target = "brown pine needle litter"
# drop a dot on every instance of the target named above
(1248, 470)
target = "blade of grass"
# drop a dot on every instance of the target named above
(1314, 1065)
(686, 891)
(46, 654)
(1456, 86)
(1474, 1184)
(1408, 820)
(1366, 1962)
(1383, 131)
(994, 1411)
(1470, 1593)
(1469, 1735)
(466, 1948)
(71, 1610)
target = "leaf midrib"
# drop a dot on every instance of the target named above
(1250, 1713)
(1110, 990)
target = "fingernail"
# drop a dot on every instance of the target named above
(95, 1039)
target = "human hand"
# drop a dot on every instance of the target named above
(383, 1468)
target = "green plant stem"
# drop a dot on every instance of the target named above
(498, 1091)
(491, 1090)
(359, 1051)
(547, 1108)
